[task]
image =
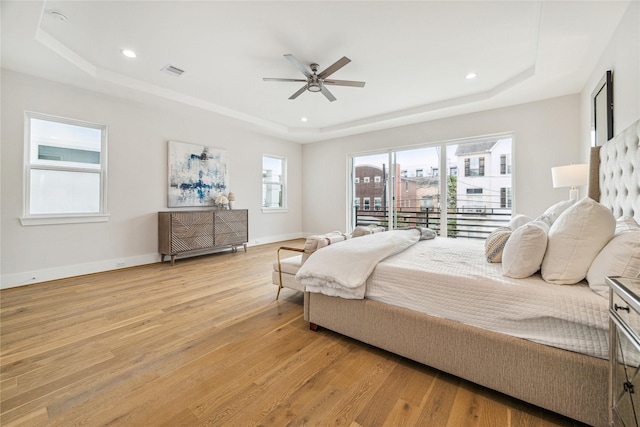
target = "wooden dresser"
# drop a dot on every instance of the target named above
(199, 232)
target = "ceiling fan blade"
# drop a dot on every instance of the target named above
(297, 64)
(335, 67)
(328, 94)
(297, 94)
(343, 83)
(270, 79)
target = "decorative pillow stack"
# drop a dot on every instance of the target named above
(495, 242)
(575, 239)
(319, 241)
(525, 250)
(620, 257)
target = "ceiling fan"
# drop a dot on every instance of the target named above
(317, 82)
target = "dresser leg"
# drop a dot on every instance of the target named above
(173, 259)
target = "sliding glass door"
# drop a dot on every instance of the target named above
(466, 193)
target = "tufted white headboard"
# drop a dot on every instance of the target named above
(618, 166)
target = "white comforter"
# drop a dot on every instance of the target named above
(451, 279)
(342, 269)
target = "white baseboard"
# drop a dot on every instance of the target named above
(45, 275)
(62, 272)
(274, 239)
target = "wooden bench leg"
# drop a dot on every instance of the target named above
(313, 327)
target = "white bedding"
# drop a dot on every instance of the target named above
(449, 278)
(342, 269)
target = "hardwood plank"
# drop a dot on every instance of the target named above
(205, 343)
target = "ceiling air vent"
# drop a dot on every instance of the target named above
(173, 71)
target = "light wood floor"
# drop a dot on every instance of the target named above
(204, 343)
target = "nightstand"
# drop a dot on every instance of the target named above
(624, 351)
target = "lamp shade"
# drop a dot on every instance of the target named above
(570, 175)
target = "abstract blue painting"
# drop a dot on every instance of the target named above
(197, 174)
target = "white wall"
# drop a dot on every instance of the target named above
(137, 179)
(622, 56)
(546, 134)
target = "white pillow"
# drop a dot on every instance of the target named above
(517, 221)
(620, 257)
(364, 230)
(575, 239)
(524, 250)
(319, 241)
(554, 211)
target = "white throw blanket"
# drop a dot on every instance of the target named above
(342, 269)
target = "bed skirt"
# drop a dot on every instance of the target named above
(568, 383)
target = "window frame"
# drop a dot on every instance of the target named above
(377, 204)
(283, 186)
(29, 218)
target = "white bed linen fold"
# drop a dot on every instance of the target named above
(342, 269)
(449, 278)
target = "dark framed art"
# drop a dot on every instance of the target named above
(602, 110)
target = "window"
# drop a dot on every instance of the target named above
(505, 164)
(505, 197)
(356, 180)
(474, 190)
(435, 171)
(366, 179)
(377, 203)
(474, 166)
(403, 173)
(367, 203)
(356, 202)
(274, 181)
(66, 170)
(377, 179)
(419, 173)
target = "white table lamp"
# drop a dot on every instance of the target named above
(570, 176)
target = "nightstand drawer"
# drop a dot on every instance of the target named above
(626, 313)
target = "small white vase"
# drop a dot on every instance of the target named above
(231, 203)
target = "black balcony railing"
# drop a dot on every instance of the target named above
(468, 223)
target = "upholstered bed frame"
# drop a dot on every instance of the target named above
(568, 383)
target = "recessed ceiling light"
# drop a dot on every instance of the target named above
(303, 119)
(471, 76)
(59, 16)
(128, 53)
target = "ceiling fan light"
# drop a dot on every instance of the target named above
(314, 87)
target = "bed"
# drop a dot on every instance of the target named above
(568, 377)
